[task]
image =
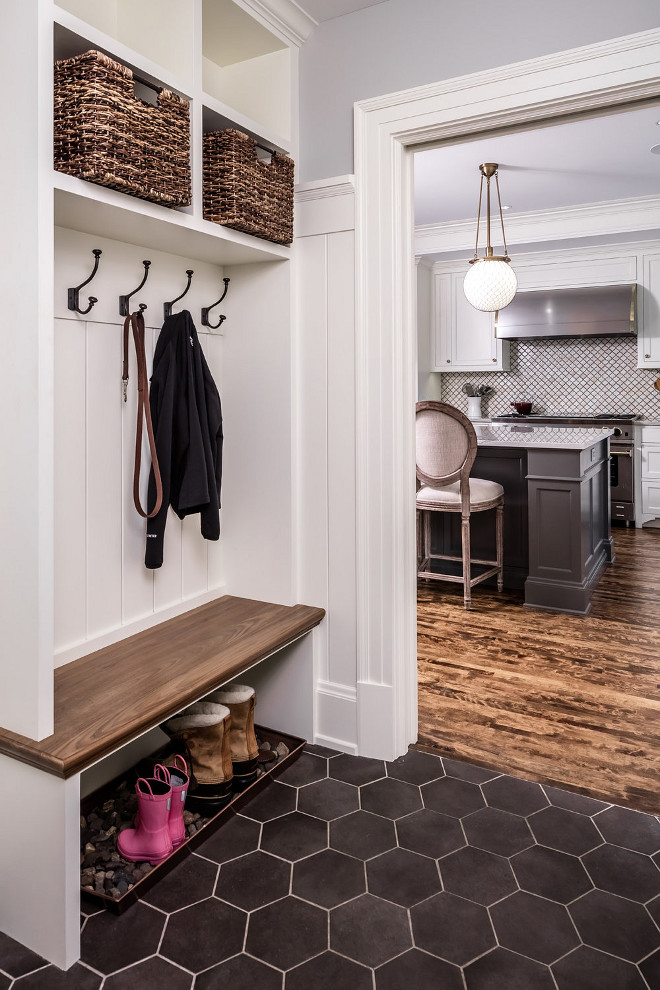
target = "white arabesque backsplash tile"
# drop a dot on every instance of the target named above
(587, 375)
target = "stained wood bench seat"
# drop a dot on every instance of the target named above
(108, 698)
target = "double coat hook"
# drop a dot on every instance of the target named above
(167, 307)
(206, 310)
(125, 301)
(74, 293)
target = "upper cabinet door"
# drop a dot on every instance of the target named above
(464, 338)
(649, 314)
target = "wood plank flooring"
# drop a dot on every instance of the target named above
(565, 700)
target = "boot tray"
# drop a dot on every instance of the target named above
(108, 698)
(205, 826)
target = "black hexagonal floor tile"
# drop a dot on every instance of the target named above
(653, 908)
(153, 974)
(403, 877)
(294, 836)
(468, 771)
(453, 797)
(520, 797)
(328, 799)
(192, 880)
(369, 930)
(624, 872)
(356, 770)
(498, 831)
(588, 969)
(534, 927)
(76, 978)
(504, 970)
(566, 831)
(452, 928)
(418, 970)
(329, 878)
(650, 969)
(17, 959)
(109, 943)
(203, 935)
(615, 925)
(477, 875)
(240, 973)
(630, 829)
(253, 880)
(273, 801)
(305, 770)
(328, 972)
(235, 837)
(325, 751)
(571, 801)
(362, 835)
(5, 982)
(390, 798)
(430, 833)
(287, 933)
(551, 874)
(416, 768)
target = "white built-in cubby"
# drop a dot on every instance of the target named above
(72, 576)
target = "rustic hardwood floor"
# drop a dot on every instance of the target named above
(565, 700)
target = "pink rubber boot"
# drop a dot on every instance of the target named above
(151, 839)
(177, 776)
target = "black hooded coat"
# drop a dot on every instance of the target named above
(187, 421)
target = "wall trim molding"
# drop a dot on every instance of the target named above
(387, 130)
(586, 220)
(340, 185)
(341, 744)
(345, 692)
(286, 18)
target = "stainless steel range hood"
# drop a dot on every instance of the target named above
(594, 311)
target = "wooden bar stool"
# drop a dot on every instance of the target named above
(446, 448)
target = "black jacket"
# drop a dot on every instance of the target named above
(187, 421)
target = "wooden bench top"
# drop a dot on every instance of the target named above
(107, 698)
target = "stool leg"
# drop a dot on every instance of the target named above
(418, 528)
(427, 540)
(499, 539)
(465, 542)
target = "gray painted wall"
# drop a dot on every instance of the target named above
(405, 43)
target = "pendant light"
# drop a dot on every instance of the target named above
(490, 284)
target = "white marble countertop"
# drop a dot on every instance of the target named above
(551, 437)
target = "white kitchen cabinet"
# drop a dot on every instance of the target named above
(649, 314)
(463, 338)
(648, 474)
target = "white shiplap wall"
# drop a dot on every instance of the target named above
(102, 589)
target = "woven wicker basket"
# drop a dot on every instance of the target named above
(105, 134)
(244, 192)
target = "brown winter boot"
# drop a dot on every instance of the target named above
(202, 734)
(240, 700)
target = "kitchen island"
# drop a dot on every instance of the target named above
(556, 511)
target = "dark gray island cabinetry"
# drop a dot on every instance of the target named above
(556, 511)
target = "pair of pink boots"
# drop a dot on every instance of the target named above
(159, 826)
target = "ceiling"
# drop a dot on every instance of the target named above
(325, 10)
(589, 160)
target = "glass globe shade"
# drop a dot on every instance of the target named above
(490, 284)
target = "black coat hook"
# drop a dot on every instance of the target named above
(125, 301)
(74, 294)
(207, 309)
(167, 307)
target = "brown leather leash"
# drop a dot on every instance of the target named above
(136, 321)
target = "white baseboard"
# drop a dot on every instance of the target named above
(336, 716)
(341, 744)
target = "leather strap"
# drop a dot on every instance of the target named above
(136, 322)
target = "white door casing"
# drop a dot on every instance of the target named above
(387, 130)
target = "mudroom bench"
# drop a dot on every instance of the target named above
(109, 699)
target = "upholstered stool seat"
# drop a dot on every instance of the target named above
(446, 449)
(483, 495)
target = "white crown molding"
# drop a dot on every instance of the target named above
(636, 43)
(285, 17)
(618, 216)
(340, 185)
